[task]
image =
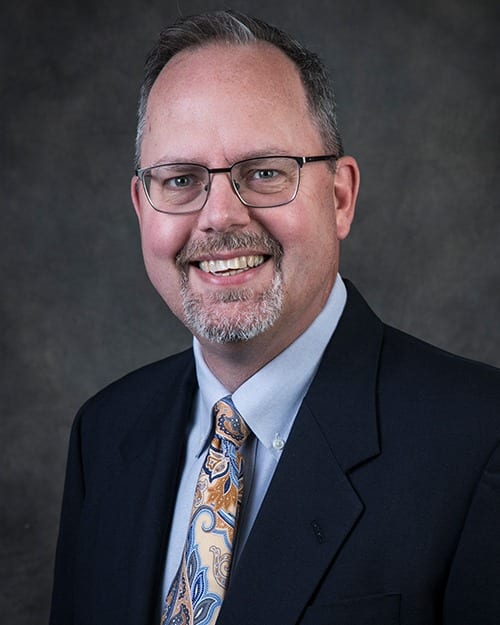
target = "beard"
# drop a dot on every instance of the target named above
(249, 314)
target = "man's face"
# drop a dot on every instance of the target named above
(274, 267)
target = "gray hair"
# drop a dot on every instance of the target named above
(234, 28)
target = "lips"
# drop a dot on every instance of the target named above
(231, 266)
(229, 253)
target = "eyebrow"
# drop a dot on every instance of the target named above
(242, 156)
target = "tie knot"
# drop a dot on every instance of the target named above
(229, 424)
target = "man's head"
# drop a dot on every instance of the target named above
(251, 252)
(233, 28)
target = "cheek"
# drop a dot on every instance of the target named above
(161, 241)
(160, 245)
(308, 232)
(162, 238)
(155, 246)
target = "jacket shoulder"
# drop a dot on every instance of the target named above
(133, 393)
(438, 384)
(435, 365)
(150, 376)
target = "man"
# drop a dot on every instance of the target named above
(371, 484)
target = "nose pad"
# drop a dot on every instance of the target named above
(236, 187)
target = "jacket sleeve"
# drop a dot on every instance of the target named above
(473, 590)
(73, 495)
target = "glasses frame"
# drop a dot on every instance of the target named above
(300, 160)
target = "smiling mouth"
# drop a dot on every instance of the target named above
(231, 266)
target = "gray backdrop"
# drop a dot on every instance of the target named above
(418, 93)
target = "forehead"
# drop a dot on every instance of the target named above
(260, 63)
(229, 93)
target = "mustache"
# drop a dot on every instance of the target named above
(230, 241)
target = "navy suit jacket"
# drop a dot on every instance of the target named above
(383, 510)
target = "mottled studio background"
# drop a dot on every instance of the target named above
(418, 92)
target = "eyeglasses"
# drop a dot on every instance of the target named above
(262, 182)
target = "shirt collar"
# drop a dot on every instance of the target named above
(270, 399)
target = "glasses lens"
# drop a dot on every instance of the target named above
(268, 181)
(177, 188)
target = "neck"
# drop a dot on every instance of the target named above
(233, 363)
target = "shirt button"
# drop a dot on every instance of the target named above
(278, 443)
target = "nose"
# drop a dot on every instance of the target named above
(223, 210)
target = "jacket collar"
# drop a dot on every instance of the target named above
(172, 396)
(343, 395)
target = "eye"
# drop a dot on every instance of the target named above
(179, 182)
(264, 178)
(264, 174)
(180, 178)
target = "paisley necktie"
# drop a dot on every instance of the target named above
(196, 594)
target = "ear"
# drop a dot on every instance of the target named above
(346, 188)
(135, 193)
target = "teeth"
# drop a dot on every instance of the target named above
(238, 263)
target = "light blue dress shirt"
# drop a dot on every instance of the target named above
(268, 402)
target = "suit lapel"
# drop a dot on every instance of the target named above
(147, 479)
(155, 517)
(311, 507)
(296, 535)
